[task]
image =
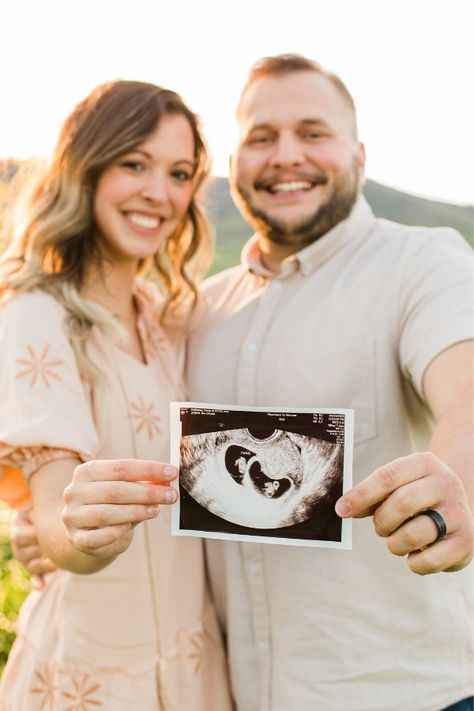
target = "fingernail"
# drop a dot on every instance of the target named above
(153, 510)
(343, 507)
(169, 470)
(170, 497)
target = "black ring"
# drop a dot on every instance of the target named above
(438, 521)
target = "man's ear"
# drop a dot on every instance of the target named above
(361, 158)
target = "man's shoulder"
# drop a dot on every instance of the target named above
(417, 236)
(218, 282)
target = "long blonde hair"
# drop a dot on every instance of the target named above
(52, 240)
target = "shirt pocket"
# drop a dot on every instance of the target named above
(341, 376)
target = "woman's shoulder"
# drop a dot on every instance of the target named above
(32, 302)
(34, 310)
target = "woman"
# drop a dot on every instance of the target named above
(90, 361)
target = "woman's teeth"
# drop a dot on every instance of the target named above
(144, 220)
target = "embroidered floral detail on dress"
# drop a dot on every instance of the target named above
(196, 654)
(39, 367)
(144, 418)
(45, 688)
(82, 693)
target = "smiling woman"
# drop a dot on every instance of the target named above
(142, 197)
(92, 359)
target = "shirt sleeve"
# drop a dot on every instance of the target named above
(435, 300)
(45, 412)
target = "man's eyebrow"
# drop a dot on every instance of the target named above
(314, 122)
(260, 127)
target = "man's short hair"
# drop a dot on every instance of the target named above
(283, 64)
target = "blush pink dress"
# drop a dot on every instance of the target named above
(141, 635)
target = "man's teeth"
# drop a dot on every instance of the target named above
(292, 186)
(144, 220)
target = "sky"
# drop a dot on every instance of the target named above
(408, 64)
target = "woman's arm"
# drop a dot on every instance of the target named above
(104, 500)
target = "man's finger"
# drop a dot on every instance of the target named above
(40, 566)
(446, 555)
(361, 500)
(415, 535)
(23, 534)
(26, 553)
(413, 498)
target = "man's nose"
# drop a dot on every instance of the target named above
(155, 188)
(287, 151)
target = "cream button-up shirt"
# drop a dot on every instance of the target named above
(353, 320)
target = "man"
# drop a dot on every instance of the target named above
(334, 308)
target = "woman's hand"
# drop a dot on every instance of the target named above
(107, 498)
(27, 550)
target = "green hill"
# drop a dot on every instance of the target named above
(232, 231)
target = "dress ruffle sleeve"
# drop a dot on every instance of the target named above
(45, 412)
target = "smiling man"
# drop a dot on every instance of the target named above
(298, 167)
(334, 308)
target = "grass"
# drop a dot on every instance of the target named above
(14, 587)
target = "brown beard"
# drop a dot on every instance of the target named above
(335, 209)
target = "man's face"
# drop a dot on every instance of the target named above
(298, 166)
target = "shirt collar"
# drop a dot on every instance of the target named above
(313, 256)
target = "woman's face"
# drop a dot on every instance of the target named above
(143, 196)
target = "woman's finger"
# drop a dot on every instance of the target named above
(115, 492)
(100, 540)
(138, 470)
(104, 515)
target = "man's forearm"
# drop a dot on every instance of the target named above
(453, 438)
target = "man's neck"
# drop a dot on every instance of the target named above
(272, 255)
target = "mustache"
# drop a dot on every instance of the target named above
(266, 181)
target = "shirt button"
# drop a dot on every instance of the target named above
(263, 645)
(255, 568)
(252, 347)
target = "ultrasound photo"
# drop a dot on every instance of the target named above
(263, 475)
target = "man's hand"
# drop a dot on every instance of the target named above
(27, 550)
(397, 493)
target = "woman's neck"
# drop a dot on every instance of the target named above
(112, 289)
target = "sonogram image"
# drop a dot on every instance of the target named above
(260, 477)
